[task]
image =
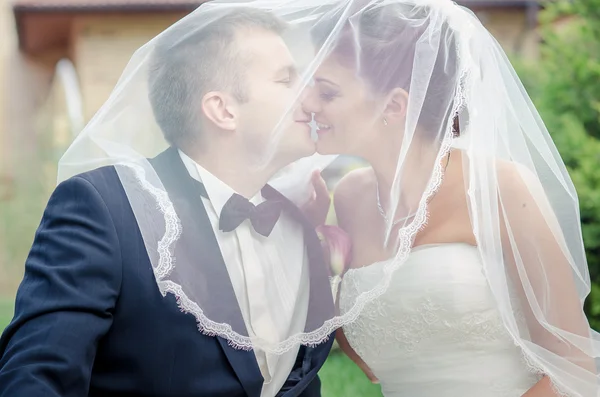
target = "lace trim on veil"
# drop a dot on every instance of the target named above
(536, 367)
(533, 365)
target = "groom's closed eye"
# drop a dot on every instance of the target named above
(287, 75)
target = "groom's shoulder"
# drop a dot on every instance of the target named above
(103, 181)
(111, 177)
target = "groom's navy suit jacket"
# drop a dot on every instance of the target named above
(90, 320)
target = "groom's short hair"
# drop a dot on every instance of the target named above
(188, 61)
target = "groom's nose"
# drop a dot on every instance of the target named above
(301, 115)
(310, 103)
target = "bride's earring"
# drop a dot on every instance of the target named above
(385, 122)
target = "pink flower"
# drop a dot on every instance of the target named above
(337, 244)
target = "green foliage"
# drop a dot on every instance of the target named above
(6, 313)
(571, 62)
(33, 179)
(565, 85)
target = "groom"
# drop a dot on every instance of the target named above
(89, 318)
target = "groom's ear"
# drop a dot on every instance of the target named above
(220, 109)
(396, 106)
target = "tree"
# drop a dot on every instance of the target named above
(565, 85)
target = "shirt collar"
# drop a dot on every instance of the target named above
(218, 191)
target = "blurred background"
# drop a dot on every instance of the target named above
(59, 60)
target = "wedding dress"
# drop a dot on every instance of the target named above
(436, 331)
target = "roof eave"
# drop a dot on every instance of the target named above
(108, 8)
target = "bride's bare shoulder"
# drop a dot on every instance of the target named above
(351, 193)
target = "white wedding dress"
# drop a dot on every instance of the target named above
(436, 331)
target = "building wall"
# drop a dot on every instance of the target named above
(24, 84)
(512, 30)
(103, 45)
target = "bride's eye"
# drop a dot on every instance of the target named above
(328, 95)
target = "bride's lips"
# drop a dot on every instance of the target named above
(322, 127)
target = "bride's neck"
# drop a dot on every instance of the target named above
(416, 167)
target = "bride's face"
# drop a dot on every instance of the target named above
(345, 110)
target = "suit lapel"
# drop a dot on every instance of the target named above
(185, 192)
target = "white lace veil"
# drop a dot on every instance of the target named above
(439, 82)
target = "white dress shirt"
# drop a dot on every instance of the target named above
(269, 276)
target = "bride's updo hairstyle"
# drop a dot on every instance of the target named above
(380, 43)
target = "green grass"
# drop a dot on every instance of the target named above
(6, 312)
(339, 376)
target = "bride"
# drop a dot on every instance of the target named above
(468, 272)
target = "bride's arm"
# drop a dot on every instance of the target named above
(540, 265)
(344, 202)
(346, 348)
(542, 389)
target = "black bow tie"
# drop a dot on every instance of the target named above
(263, 216)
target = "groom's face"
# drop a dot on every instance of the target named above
(272, 124)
